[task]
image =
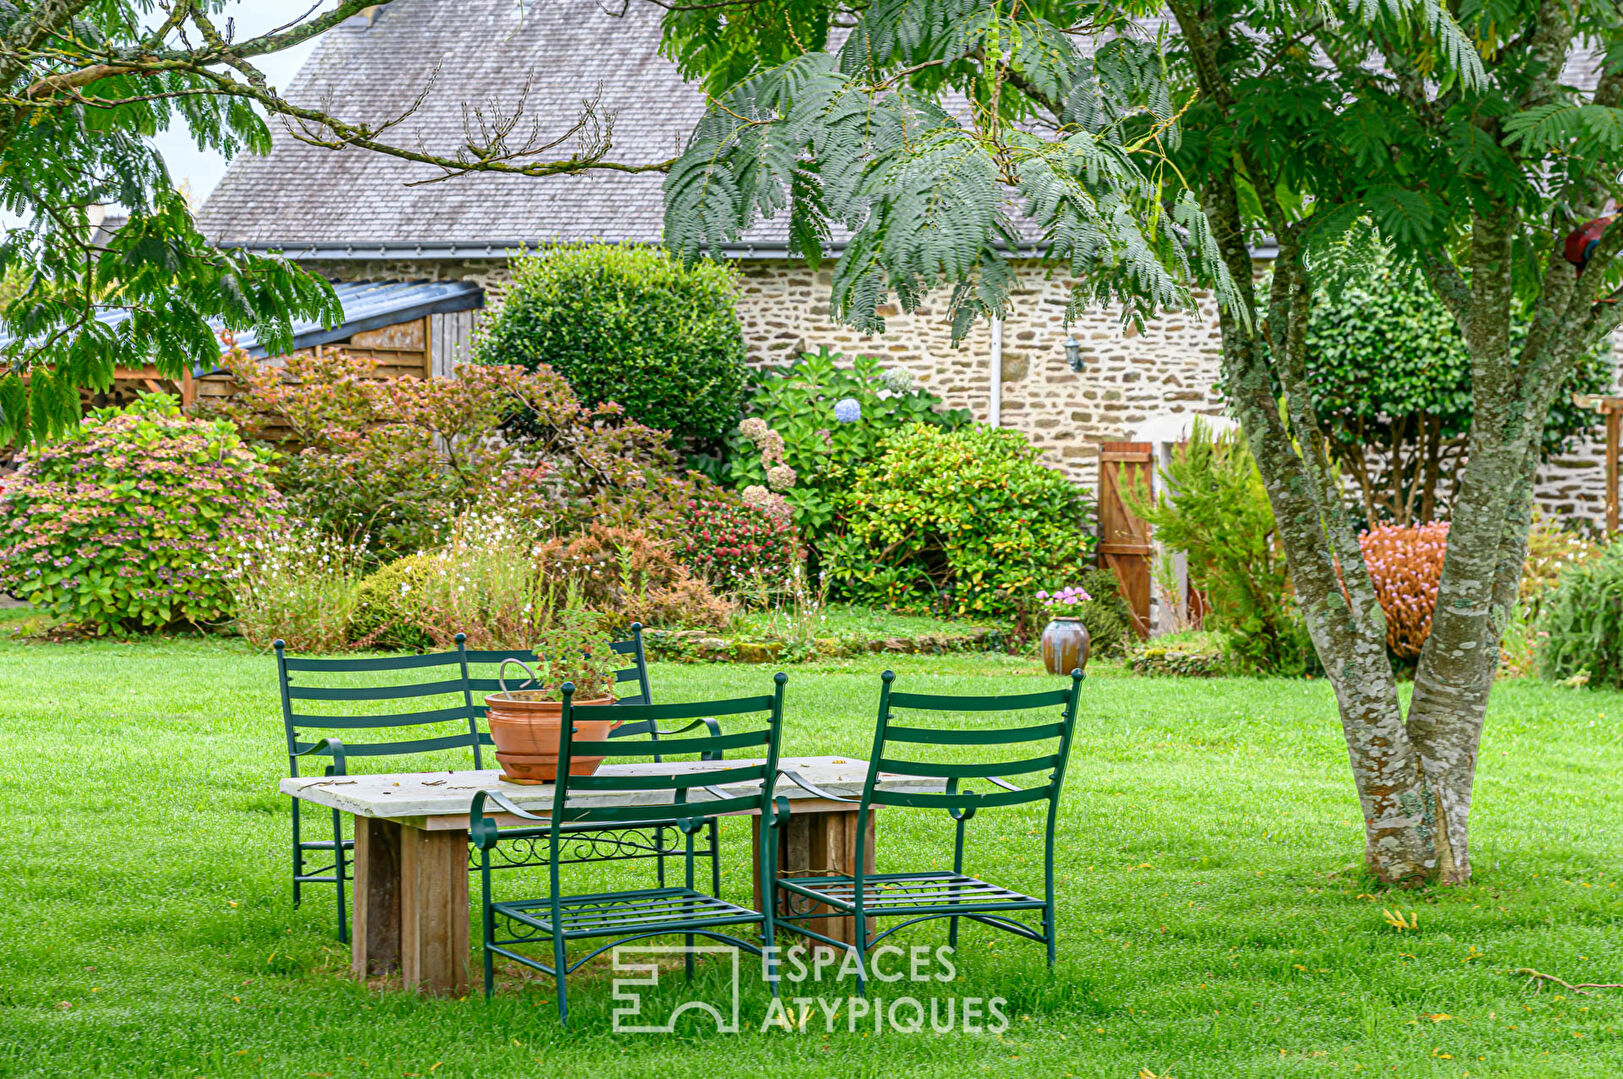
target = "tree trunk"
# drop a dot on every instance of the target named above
(1337, 598)
(1414, 775)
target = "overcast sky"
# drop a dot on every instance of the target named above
(201, 170)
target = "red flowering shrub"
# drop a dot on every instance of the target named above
(135, 519)
(730, 543)
(1406, 564)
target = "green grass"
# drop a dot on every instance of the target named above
(1214, 922)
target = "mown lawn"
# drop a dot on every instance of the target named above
(1214, 919)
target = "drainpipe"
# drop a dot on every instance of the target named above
(995, 408)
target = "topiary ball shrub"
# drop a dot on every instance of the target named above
(968, 522)
(389, 605)
(1582, 624)
(135, 519)
(630, 325)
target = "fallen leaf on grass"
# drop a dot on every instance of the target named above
(1396, 920)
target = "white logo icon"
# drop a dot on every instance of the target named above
(628, 1019)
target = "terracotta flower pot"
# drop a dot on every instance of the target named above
(526, 732)
(1065, 646)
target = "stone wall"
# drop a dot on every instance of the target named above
(1128, 376)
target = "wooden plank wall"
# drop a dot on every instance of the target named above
(402, 351)
(450, 341)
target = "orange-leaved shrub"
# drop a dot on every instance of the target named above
(633, 576)
(1406, 565)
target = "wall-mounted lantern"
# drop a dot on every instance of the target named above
(1073, 352)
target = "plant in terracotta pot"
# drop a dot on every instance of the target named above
(526, 718)
(1065, 638)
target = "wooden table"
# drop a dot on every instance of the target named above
(411, 850)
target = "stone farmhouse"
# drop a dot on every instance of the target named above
(357, 216)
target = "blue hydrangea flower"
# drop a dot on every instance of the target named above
(848, 410)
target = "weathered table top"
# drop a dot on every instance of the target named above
(438, 800)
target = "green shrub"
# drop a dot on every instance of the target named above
(1387, 367)
(1107, 616)
(1216, 511)
(1582, 623)
(966, 522)
(135, 518)
(630, 325)
(389, 605)
(792, 422)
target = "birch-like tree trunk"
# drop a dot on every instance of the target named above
(1414, 773)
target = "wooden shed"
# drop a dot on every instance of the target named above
(415, 329)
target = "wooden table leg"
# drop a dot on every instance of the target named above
(375, 945)
(434, 910)
(821, 844)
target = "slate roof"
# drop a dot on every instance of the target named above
(373, 69)
(372, 305)
(319, 203)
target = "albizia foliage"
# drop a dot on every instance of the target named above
(1406, 564)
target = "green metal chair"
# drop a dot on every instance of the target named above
(921, 897)
(455, 724)
(562, 918)
(620, 842)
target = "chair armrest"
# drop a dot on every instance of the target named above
(794, 778)
(715, 728)
(482, 831)
(707, 722)
(332, 746)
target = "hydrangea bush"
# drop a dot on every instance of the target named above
(135, 519)
(813, 423)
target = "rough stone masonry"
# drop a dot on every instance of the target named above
(1127, 377)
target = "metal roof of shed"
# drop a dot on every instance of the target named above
(371, 305)
(368, 305)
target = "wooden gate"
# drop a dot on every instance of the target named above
(1124, 540)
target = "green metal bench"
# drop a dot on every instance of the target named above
(561, 918)
(926, 896)
(452, 725)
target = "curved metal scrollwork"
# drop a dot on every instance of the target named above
(598, 845)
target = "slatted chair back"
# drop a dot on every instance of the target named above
(760, 742)
(1040, 749)
(631, 681)
(687, 800)
(386, 718)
